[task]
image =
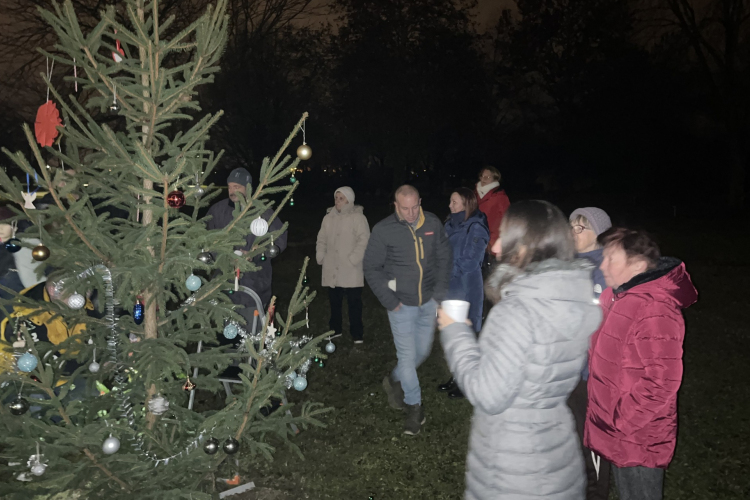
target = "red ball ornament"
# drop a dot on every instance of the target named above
(176, 199)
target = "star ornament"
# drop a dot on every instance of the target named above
(271, 330)
(47, 121)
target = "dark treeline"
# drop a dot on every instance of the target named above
(645, 99)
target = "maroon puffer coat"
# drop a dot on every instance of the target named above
(635, 362)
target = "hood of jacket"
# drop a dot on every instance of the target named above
(668, 280)
(348, 209)
(551, 279)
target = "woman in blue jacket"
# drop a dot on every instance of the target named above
(469, 235)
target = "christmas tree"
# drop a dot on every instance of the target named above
(139, 290)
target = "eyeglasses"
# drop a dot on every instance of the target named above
(486, 177)
(578, 229)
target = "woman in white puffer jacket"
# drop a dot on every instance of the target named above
(340, 248)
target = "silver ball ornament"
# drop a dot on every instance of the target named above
(19, 406)
(38, 469)
(76, 301)
(273, 251)
(211, 446)
(231, 446)
(304, 152)
(259, 227)
(206, 258)
(330, 347)
(111, 445)
(94, 367)
(199, 191)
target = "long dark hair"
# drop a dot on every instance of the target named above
(531, 231)
(469, 199)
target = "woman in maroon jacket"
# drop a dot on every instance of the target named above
(635, 362)
(492, 200)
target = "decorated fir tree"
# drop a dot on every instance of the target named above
(139, 289)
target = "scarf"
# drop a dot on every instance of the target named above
(483, 190)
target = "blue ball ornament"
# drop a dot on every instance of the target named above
(230, 331)
(13, 245)
(300, 383)
(193, 283)
(330, 347)
(138, 313)
(27, 362)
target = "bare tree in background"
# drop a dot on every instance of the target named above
(716, 34)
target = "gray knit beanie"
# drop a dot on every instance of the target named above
(240, 176)
(598, 218)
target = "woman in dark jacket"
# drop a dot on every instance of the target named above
(469, 235)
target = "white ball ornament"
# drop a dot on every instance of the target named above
(38, 468)
(330, 347)
(259, 227)
(94, 367)
(300, 383)
(76, 301)
(111, 445)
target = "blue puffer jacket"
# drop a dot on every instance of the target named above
(469, 239)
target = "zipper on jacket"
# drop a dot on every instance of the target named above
(419, 264)
(421, 247)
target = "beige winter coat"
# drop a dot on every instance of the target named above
(342, 241)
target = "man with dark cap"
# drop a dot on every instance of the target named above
(239, 183)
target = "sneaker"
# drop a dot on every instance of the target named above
(415, 419)
(394, 392)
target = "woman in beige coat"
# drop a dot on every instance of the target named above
(342, 241)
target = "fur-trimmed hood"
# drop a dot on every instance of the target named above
(549, 279)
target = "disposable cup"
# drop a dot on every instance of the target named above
(458, 310)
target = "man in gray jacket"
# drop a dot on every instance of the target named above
(239, 183)
(408, 266)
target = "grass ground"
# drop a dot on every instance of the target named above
(362, 452)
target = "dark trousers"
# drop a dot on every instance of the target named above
(354, 300)
(596, 489)
(639, 483)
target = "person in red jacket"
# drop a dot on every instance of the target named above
(492, 201)
(635, 362)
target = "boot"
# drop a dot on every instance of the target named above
(415, 419)
(449, 385)
(394, 392)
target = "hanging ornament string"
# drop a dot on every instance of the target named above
(75, 75)
(114, 92)
(49, 74)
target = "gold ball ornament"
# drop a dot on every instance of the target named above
(40, 253)
(304, 152)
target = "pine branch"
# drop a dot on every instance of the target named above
(258, 370)
(53, 192)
